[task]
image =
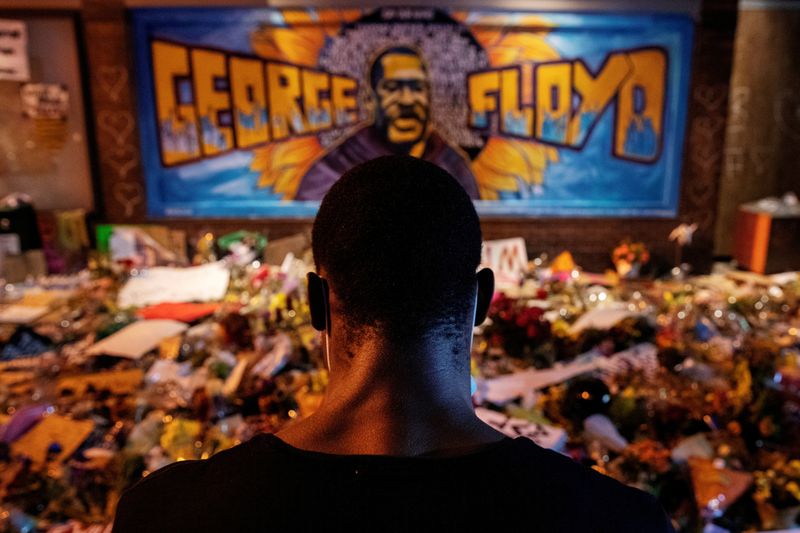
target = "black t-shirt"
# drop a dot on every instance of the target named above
(268, 485)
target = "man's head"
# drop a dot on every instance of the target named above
(398, 241)
(399, 79)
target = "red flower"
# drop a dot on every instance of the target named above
(535, 312)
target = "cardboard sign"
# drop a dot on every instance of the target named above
(118, 381)
(21, 314)
(642, 357)
(601, 318)
(69, 434)
(505, 388)
(10, 379)
(9, 244)
(14, 51)
(508, 258)
(639, 358)
(551, 437)
(137, 339)
(44, 298)
(205, 283)
(714, 487)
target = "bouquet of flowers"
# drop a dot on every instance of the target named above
(777, 492)
(628, 258)
(516, 327)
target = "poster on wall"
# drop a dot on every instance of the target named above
(257, 112)
(47, 105)
(45, 100)
(14, 64)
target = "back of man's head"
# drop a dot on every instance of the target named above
(399, 242)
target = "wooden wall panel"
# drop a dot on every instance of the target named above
(111, 86)
(763, 132)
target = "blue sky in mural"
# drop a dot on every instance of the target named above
(228, 28)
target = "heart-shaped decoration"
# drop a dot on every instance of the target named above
(705, 157)
(707, 127)
(698, 134)
(122, 153)
(129, 194)
(112, 79)
(710, 97)
(700, 192)
(122, 159)
(706, 165)
(118, 124)
(121, 169)
(704, 220)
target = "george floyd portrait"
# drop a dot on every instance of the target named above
(401, 124)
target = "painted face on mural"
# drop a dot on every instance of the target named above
(402, 91)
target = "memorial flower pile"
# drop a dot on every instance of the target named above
(686, 388)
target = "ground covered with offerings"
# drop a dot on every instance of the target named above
(686, 387)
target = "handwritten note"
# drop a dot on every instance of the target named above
(14, 64)
(204, 283)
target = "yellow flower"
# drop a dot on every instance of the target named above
(179, 437)
(794, 489)
(277, 302)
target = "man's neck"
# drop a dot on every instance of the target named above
(416, 403)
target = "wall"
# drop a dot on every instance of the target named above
(762, 152)
(60, 177)
(122, 187)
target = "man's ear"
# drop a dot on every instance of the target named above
(485, 292)
(318, 301)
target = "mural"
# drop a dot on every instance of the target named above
(257, 112)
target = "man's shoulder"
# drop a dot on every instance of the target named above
(566, 484)
(185, 491)
(182, 472)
